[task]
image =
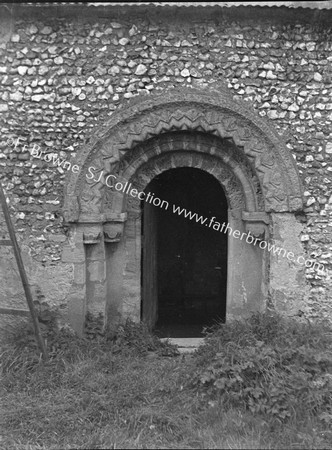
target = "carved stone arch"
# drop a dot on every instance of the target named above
(146, 172)
(185, 150)
(213, 113)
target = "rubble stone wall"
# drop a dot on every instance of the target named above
(63, 75)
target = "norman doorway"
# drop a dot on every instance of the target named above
(184, 260)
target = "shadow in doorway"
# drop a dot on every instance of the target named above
(191, 256)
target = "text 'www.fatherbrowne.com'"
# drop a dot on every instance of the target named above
(249, 238)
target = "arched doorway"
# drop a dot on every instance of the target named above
(175, 129)
(184, 260)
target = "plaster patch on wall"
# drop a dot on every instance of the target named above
(6, 24)
(50, 284)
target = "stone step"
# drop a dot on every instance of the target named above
(185, 345)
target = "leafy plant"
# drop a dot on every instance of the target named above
(279, 370)
(137, 337)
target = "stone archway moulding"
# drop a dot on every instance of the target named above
(210, 112)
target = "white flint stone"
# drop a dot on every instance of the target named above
(273, 114)
(318, 77)
(268, 66)
(270, 75)
(46, 30)
(311, 46)
(16, 96)
(123, 41)
(43, 70)
(15, 38)
(36, 98)
(141, 69)
(33, 29)
(294, 107)
(133, 30)
(311, 201)
(280, 68)
(22, 70)
(76, 91)
(114, 70)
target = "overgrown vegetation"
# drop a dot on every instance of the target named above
(275, 368)
(261, 383)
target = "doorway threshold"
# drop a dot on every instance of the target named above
(185, 345)
(179, 330)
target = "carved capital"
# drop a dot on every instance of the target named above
(91, 234)
(113, 231)
(256, 223)
(257, 230)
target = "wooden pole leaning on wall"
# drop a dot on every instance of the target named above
(23, 274)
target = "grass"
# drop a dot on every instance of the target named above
(101, 394)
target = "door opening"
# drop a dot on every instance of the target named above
(184, 260)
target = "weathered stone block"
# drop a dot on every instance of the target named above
(73, 254)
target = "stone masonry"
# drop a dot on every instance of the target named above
(67, 70)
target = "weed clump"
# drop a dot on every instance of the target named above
(136, 337)
(272, 366)
(21, 353)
